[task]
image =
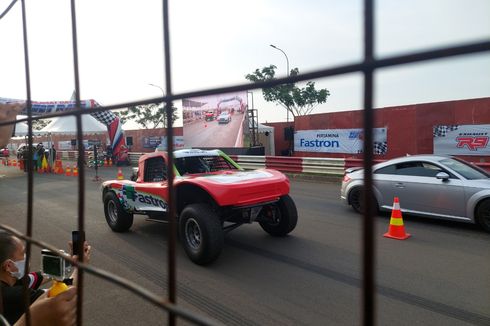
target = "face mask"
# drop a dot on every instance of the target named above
(20, 264)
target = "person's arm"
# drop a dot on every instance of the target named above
(87, 249)
(57, 311)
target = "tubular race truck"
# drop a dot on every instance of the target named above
(213, 196)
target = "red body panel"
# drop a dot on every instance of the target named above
(227, 188)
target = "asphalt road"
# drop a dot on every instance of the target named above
(439, 276)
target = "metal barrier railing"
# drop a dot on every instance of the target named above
(367, 67)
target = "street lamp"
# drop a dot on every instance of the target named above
(158, 87)
(287, 62)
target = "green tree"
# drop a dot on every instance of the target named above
(298, 101)
(150, 116)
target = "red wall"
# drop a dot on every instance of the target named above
(409, 126)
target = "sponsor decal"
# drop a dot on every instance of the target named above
(137, 200)
(319, 143)
(473, 143)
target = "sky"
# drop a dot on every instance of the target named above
(217, 42)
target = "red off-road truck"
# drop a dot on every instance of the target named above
(213, 196)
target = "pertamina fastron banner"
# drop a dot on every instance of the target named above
(338, 141)
(462, 139)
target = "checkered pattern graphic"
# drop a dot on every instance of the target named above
(106, 117)
(441, 131)
(380, 148)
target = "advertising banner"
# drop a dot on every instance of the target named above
(348, 141)
(65, 145)
(462, 139)
(161, 142)
(215, 121)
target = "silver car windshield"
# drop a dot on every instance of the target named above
(466, 170)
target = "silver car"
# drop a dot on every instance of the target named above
(428, 185)
(224, 117)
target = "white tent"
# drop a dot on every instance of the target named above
(68, 125)
(21, 129)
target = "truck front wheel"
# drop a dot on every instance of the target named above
(118, 219)
(280, 219)
(201, 233)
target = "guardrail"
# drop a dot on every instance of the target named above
(304, 165)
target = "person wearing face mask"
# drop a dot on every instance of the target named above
(12, 274)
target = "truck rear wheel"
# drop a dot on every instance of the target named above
(282, 218)
(118, 219)
(201, 233)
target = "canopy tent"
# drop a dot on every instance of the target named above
(68, 125)
(21, 129)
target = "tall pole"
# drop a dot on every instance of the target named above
(287, 65)
(163, 93)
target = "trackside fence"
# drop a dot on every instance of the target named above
(306, 165)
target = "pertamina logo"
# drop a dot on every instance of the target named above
(472, 142)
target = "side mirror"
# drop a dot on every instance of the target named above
(442, 176)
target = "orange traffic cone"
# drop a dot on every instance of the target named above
(75, 171)
(68, 171)
(110, 162)
(120, 176)
(396, 229)
(14, 163)
(59, 167)
(106, 163)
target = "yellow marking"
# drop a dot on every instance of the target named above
(396, 221)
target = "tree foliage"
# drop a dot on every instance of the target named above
(149, 116)
(298, 101)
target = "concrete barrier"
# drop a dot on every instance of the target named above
(298, 165)
(329, 166)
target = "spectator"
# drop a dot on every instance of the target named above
(8, 112)
(52, 156)
(41, 153)
(35, 156)
(12, 274)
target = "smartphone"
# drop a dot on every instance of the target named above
(78, 239)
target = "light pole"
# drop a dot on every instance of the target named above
(287, 63)
(158, 87)
(163, 93)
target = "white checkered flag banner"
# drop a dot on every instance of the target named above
(441, 131)
(105, 117)
(380, 148)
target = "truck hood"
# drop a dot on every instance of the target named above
(235, 187)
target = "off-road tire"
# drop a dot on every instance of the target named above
(118, 219)
(201, 233)
(285, 220)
